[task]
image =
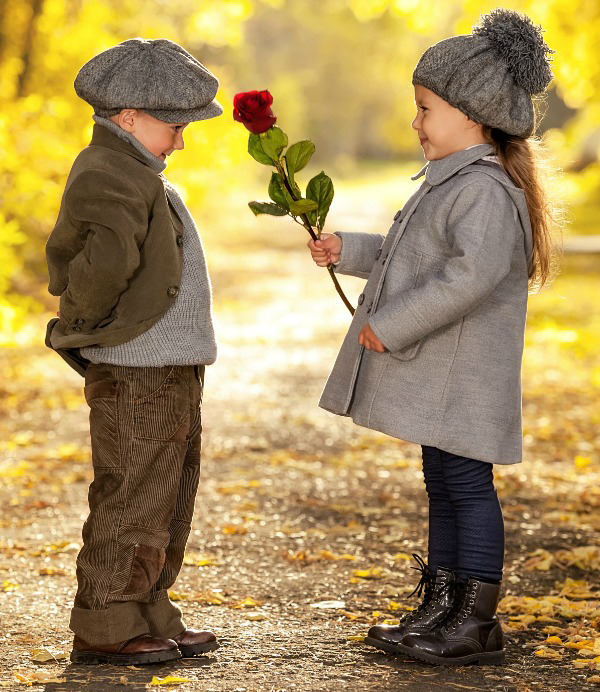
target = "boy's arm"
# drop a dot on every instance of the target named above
(114, 220)
(483, 227)
(359, 253)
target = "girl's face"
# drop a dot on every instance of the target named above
(442, 129)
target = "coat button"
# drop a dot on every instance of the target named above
(180, 240)
(378, 255)
(361, 298)
(172, 291)
(397, 214)
(383, 261)
(370, 307)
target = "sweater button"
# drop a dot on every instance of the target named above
(172, 291)
(180, 240)
(378, 255)
(361, 298)
(76, 329)
(79, 321)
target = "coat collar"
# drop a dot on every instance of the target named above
(110, 135)
(438, 171)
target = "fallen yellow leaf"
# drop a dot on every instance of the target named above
(169, 680)
(547, 653)
(370, 573)
(554, 640)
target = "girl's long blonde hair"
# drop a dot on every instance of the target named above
(521, 160)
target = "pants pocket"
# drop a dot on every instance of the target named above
(103, 399)
(163, 414)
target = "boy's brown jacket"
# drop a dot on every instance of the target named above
(115, 254)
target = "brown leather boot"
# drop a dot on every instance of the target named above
(131, 652)
(194, 642)
(437, 602)
(472, 635)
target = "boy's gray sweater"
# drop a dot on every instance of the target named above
(185, 334)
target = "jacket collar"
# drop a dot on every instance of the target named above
(110, 135)
(438, 171)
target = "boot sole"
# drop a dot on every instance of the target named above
(484, 658)
(93, 658)
(196, 649)
(381, 644)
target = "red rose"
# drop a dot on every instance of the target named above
(253, 110)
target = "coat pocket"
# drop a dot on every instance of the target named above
(407, 353)
(103, 399)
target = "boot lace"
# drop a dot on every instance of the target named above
(465, 597)
(428, 587)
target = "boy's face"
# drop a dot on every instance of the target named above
(442, 129)
(160, 138)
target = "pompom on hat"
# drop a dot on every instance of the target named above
(491, 74)
(157, 76)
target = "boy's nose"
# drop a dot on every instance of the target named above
(415, 124)
(179, 143)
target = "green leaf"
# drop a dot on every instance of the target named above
(298, 155)
(277, 191)
(267, 208)
(302, 206)
(273, 142)
(320, 190)
(256, 151)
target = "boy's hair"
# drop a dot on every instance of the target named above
(521, 159)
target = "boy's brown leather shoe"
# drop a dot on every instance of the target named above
(136, 651)
(194, 642)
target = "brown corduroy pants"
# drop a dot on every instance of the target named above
(145, 426)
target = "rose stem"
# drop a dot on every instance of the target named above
(314, 236)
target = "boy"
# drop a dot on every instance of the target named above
(135, 319)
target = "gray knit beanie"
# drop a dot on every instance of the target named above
(157, 76)
(491, 74)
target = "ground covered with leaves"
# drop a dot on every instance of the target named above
(305, 523)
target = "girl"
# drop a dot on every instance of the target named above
(433, 354)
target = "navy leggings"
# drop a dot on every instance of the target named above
(466, 529)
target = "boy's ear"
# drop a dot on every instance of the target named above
(126, 119)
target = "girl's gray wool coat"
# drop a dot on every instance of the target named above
(447, 295)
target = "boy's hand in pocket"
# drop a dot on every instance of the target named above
(326, 250)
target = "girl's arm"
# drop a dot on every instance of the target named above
(483, 227)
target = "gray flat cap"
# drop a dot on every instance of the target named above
(491, 74)
(157, 76)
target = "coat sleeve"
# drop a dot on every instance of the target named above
(359, 251)
(113, 218)
(481, 231)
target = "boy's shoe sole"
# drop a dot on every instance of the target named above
(483, 658)
(94, 657)
(197, 649)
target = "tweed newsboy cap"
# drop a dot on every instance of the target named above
(157, 76)
(491, 74)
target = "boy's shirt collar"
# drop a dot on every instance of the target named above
(124, 142)
(438, 171)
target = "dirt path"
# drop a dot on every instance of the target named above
(297, 508)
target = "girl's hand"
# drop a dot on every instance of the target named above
(369, 340)
(326, 250)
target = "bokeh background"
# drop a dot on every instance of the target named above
(297, 507)
(340, 74)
